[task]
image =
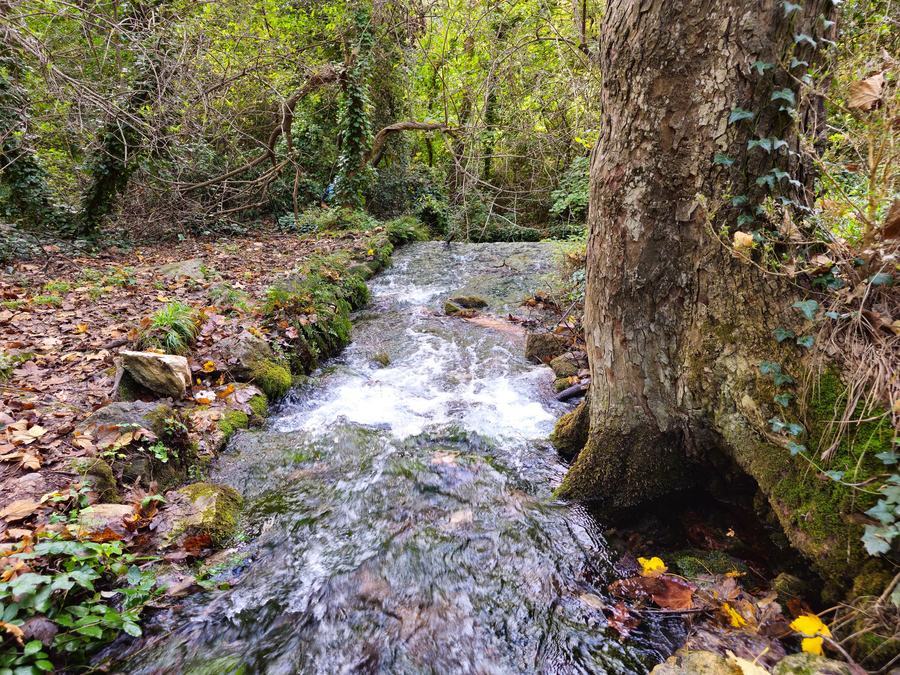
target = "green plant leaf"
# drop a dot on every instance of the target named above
(790, 7)
(881, 279)
(807, 307)
(794, 429)
(807, 341)
(739, 114)
(782, 379)
(877, 540)
(785, 95)
(796, 448)
(32, 647)
(761, 66)
(783, 399)
(782, 334)
(722, 160)
(888, 457)
(836, 476)
(769, 368)
(803, 38)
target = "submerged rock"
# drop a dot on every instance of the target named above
(452, 309)
(201, 510)
(469, 301)
(543, 347)
(164, 374)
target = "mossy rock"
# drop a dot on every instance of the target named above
(99, 475)
(469, 301)
(571, 432)
(543, 347)
(788, 587)
(203, 510)
(452, 309)
(232, 420)
(810, 664)
(259, 404)
(693, 563)
(564, 366)
(273, 377)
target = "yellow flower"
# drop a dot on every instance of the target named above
(208, 367)
(812, 645)
(734, 618)
(371, 251)
(810, 625)
(652, 567)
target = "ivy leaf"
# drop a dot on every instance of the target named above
(827, 23)
(796, 63)
(794, 429)
(739, 114)
(762, 66)
(744, 219)
(739, 200)
(881, 279)
(790, 7)
(722, 160)
(132, 629)
(807, 341)
(877, 540)
(782, 334)
(769, 368)
(777, 424)
(888, 457)
(783, 399)
(836, 476)
(807, 307)
(768, 179)
(90, 631)
(803, 38)
(796, 448)
(764, 143)
(782, 379)
(785, 95)
(832, 315)
(882, 512)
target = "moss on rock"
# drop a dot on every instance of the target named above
(571, 432)
(273, 377)
(232, 420)
(259, 404)
(99, 475)
(206, 509)
(692, 563)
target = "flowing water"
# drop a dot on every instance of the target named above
(400, 517)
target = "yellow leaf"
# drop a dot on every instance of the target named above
(743, 241)
(209, 366)
(81, 328)
(652, 567)
(734, 618)
(810, 625)
(812, 645)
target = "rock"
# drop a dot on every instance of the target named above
(789, 587)
(149, 415)
(696, 663)
(452, 309)
(565, 365)
(469, 301)
(205, 512)
(164, 374)
(543, 347)
(99, 475)
(243, 352)
(192, 268)
(571, 431)
(810, 664)
(104, 521)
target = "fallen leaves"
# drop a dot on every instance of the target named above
(19, 510)
(867, 93)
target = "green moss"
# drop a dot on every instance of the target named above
(272, 377)
(260, 406)
(872, 580)
(214, 511)
(693, 563)
(232, 420)
(571, 431)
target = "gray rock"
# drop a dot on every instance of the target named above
(149, 415)
(163, 374)
(810, 664)
(103, 519)
(565, 365)
(241, 352)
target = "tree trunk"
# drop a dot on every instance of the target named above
(673, 320)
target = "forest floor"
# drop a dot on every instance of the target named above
(64, 319)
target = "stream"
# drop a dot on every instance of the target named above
(399, 518)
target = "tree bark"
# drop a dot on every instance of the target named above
(672, 319)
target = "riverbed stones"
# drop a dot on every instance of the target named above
(543, 347)
(571, 432)
(205, 513)
(164, 374)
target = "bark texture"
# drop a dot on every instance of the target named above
(671, 316)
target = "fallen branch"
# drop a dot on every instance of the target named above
(376, 153)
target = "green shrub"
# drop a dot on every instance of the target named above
(318, 219)
(89, 591)
(405, 229)
(570, 199)
(434, 210)
(173, 328)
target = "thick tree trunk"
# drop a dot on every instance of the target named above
(665, 299)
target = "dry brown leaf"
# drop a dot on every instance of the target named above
(14, 631)
(891, 227)
(19, 509)
(867, 93)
